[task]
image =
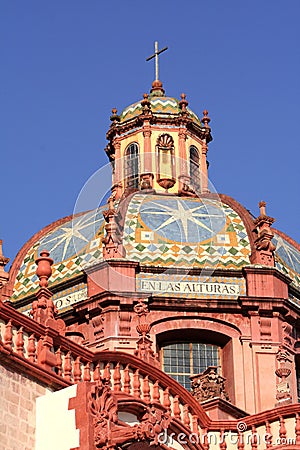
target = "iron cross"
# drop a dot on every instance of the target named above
(155, 55)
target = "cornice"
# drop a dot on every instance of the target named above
(266, 270)
(116, 130)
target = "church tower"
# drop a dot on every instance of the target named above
(159, 143)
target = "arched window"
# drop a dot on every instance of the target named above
(131, 166)
(182, 360)
(194, 167)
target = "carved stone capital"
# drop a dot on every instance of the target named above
(147, 132)
(182, 134)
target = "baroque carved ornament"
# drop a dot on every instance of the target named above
(110, 433)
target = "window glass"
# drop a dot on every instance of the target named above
(131, 166)
(194, 168)
(182, 360)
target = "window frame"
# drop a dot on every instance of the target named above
(195, 167)
(132, 166)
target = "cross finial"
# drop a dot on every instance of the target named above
(155, 55)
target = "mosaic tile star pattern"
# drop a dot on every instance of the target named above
(158, 230)
(71, 246)
(287, 258)
(165, 231)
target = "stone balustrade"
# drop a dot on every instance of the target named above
(50, 356)
(278, 428)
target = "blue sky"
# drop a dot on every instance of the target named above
(66, 63)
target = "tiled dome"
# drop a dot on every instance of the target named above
(161, 106)
(157, 230)
(72, 243)
(185, 232)
(287, 257)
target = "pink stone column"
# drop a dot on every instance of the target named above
(249, 393)
(204, 172)
(147, 147)
(118, 175)
(182, 152)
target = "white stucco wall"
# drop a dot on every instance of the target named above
(55, 424)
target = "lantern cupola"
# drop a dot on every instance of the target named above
(158, 143)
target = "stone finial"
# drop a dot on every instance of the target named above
(262, 214)
(3, 261)
(208, 384)
(263, 243)
(205, 119)
(183, 103)
(112, 243)
(146, 105)
(157, 89)
(43, 309)
(114, 116)
(44, 270)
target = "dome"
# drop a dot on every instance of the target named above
(161, 106)
(164, 231)
(287, 256)
(72, 242)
